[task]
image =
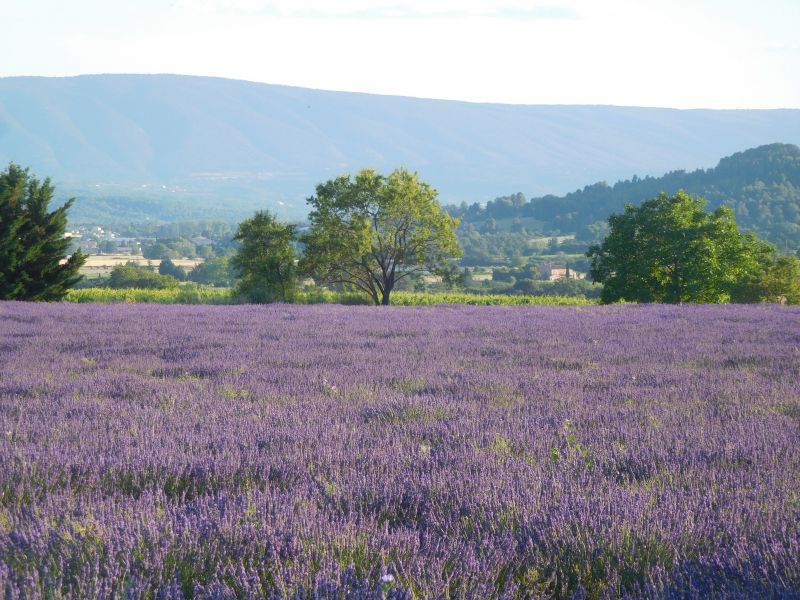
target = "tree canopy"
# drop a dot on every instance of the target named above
(781, 281)
(34, 252)
(214, 271)
(131, 275)
(778, 280)
(371, 231)
(671, 250)
(167, 267)
(265, 260)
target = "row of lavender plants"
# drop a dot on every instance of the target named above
(356, 452)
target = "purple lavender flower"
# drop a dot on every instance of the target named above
(453, 451)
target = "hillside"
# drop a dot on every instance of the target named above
(164, 147)
(762, 185)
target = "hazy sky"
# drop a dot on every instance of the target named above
(676, 53)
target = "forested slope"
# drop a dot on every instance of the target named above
(762, 185)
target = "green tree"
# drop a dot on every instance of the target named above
(371, 231)
(183, 248)
(781, 282)
(131, 275)
(34, 260)
(205, 251)
(108, 246)
(265, 260)
(167, 267)
(158, 251)
(671, 250)
(214, 271)
(777, 281)
(170, 248)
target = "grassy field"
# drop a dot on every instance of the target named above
(100, 265)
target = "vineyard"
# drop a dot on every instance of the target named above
(186, 294)
(352, 452)
(200, 294)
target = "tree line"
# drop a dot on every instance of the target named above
(761, 186)
(370, 232)
(367, 232)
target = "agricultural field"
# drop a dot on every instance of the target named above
(101, 265)
(151, 451)
(201, 294)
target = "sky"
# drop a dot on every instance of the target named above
(669, 53)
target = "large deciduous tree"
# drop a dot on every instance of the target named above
(265, 260)
(34, 253)
(671, 250)
(371, 231)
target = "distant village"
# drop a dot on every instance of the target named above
(558, 272)
(95, 240)
(107, 248)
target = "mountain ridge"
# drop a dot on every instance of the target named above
(384, 95)
(228, 147)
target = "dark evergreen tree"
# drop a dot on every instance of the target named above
(34, 259)
(265, 261)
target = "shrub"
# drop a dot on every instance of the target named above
(131, 275)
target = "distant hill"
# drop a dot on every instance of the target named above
(762, 185)
(164, 147)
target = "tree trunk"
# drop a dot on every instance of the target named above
(386, 291)
(388, 286)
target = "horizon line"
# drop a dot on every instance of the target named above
(396, 95)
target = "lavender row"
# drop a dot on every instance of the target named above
(354, 452)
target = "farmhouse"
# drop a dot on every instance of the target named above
(557, 272)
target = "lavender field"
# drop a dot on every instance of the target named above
(352, 452)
